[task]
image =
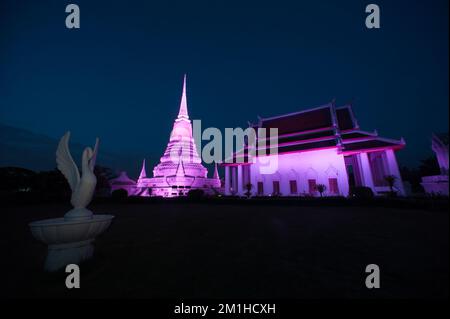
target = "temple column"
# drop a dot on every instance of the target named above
(249, 179)
(239, 180)
(234, 179)
(393, 170)
(366, 171)
(227, 180)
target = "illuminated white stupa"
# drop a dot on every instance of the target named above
(180, 168)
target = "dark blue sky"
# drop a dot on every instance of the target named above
(119, 76)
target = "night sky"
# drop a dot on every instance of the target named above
(119, 77)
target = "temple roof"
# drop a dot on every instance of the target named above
(311, 120)
(319, 128)
(373, 144)
(345, 118)
(122, 179)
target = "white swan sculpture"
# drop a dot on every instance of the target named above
(70, 239)
(83, 186)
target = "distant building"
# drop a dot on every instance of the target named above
(180, 169)
(323, 145)
(438, 184)
(123, 182)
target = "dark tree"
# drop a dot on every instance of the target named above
(390, 180)
(361, 192)
(53, 183)
(196, 194)
(321, 188)
(429, 167)
(413, 176)
(16, 179)
(248, 187)
(119, 194)
(103, 175)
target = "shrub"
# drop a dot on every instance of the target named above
(119, 194)
(195, 193)
(248, 187)
(390, 180)
(362, 192)
(321, 188)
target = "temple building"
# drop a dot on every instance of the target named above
(180, 169)
(438, 184)
(323, 145)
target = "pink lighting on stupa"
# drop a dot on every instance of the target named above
(180, 168)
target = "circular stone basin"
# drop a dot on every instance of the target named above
(58, 231)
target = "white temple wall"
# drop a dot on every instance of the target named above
(365, 170)
(382, 163)
(305, 168)
(391, 161)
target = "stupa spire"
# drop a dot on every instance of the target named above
(216, 172)
(183, 113)
(143, 173)
(180, 168)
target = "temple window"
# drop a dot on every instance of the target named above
(312, 186)
(293, 187)
(260, 188)
(333, 186)
(276, 187)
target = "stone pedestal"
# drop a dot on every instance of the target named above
(59, 256)
(69, 241)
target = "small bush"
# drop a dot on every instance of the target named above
(248, 187)
(119, 194)
(195, 193)
(321, 188)
(361, 192)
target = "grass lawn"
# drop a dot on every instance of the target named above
(195, 250)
